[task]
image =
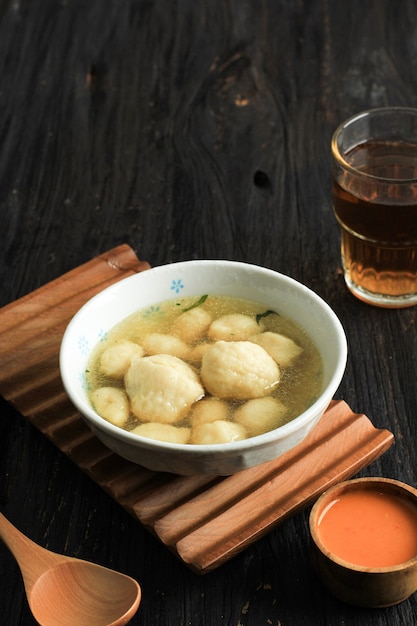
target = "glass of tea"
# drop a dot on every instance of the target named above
(374, 158)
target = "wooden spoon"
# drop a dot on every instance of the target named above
(68, 591)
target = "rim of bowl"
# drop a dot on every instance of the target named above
(187, 448)
(347, 485)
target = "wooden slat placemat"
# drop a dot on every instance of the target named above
(204, 520)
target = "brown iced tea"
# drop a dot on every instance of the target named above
(376, 206)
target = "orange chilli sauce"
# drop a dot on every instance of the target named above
(370, 528)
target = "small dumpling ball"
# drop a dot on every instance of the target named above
(220, 431)
(162, 388)
(160, 343)
(282, 349)
(239, 369)
(115, 360)
(192, 325)
(208, 410)
(163, 432)
(233, 327)
(260, 415)
(112, 404)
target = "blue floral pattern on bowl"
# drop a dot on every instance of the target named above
(177, 285)
(83, 345)
(152, 311)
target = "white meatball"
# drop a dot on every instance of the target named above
(162, 388)
(220, 431)
(233, 327)
(115, 360)
(192, 325)
(282, 349)
(163, 432)
(238, 369)
(208, 410)
(112, 404)
(159, 343)
(260, 415)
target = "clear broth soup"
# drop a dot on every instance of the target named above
(168, 328)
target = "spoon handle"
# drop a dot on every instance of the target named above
(32, 558)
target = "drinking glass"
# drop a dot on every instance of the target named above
(374, 161)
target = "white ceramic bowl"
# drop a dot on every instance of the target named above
(193, 278)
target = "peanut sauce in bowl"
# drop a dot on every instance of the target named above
(364, 534)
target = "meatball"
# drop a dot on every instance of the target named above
(112, 404)
(115, 360)
(192, 325)
(208, 410)
(282, 349)
(239, 369)
(260, 415)
(159, 343)
(233, 327)
(163, 432)
(220, 431)
(162, 388)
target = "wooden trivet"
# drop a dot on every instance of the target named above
(205, 520)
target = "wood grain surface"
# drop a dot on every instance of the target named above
(204, 520)
(194, 129)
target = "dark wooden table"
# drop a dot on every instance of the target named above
(194, 129)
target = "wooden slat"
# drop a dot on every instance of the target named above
(205, 520)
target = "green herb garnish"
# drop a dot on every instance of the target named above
(265, 314)
(196, 304)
